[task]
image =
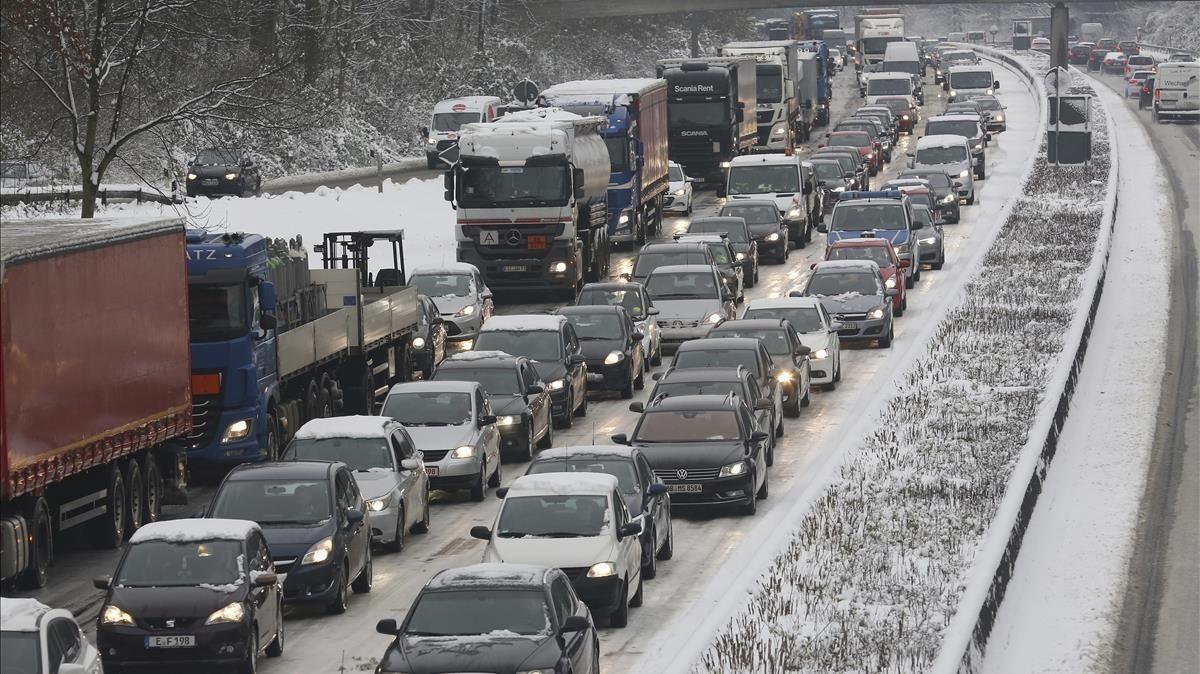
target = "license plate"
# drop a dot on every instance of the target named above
(513, 267)
(431, 470)
(209, 181)
(849, 326)
(685, 487)
(538, 242)
(172, 641)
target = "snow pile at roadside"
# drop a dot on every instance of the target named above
(416, 206)
(876, 568)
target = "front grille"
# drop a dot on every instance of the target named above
(765, 116)
(176, 623)
(679, 325)
(850, 317)
(284, 565)
(452, 329)
(697, 150)
(764, 134)
(575, 573)
(434, 455)
(692, 474)
(206, 414)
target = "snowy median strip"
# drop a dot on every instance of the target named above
(888, 562)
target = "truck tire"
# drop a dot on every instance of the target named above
(109, 531)
(312, 401)
(135, 501)
(271, 443)
(152, 488)
(325, 399)
(41, 547)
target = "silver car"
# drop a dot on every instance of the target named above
(691, 298)
(460, 294)
(451, 422)
(636, 300)
(386, 464)
(951, 155)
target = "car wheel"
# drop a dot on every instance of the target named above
(941, 261)
(765, 490)
(135, 494)
(750, 508)
(667, 550)
(494, 480)
(837, 371)
(568, 417)
(479, 489)
(250, 664)
(640, 382)
(620, 617)
(422, 525)
(657, 360)
(581, 411)
(111, 531)
(275, 648)
(649, 559)
(771, 453)
(397, 543)
(910, 280)
(341, 599)
(916, 275)
(530, 444)
(627, 390)
(807, 399)
(971, 198)
(792, 407)
(41, 547)
(636, 600)
(366, 578)
(899, 310)
(886, 342)
(547, 439)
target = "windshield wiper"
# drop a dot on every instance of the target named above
(276, 522)
(427, 634)
(565, 534)
(426, 423)
(669, 295)
(513, 534)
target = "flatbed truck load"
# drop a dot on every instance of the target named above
(95, 383)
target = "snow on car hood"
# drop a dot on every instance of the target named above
(442, 437)
(376, 482)
(816, 340)
(850, 303)
(449, 305)
(685, 310)
(556, 552)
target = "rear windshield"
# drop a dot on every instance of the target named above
(717, 358)
(803, 319)
(877, 254)
(649, 261)
(850, 139)
(630, 299)
(877, 86)
(776, 340)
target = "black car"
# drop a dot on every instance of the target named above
(550, 343)
(192, 592)
(767, 227)
(789, 357)
(515, 392)
(645, 495)
(495, 618)
(223, 171)
(725, 260)
(945, 196)
(831, 181)
(655, 255)
(315, 521)
(706, 448)
(747, 352)
(861, 169)
(637, 302)
(616, 360)
(738, 233)
(429, 342)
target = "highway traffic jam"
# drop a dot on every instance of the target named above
(344, 406)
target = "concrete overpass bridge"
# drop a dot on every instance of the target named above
(578, 9)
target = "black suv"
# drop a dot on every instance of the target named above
(706, 448)
(515, 392)
(223, 171)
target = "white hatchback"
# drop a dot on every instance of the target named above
(39, 640)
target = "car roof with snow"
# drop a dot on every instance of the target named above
(683, 269)
(770, 159)
(489, 575)
(889, 76)
(720, 343)
(439, 386)
(471, 103)
(283, 470)
(784, 303)
(523, 323)
(941, 140)
(836, 266)
(196, 530)
(584, 452)
(701, 237)
(970, 69)
(746, 324)
(862, 242)
(686, 375)
(480, 359)
(20, 614)
(352, 426)
(563, 484)
(448, 269)
(747, 202)
(954, 117)
(613, 285)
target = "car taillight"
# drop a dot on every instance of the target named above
(1158, 94)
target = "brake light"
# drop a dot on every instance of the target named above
(1158, 94)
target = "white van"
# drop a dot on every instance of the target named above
(1177, 91)
(971, 80)
(889, 84)
(441, 137)
(902, 57)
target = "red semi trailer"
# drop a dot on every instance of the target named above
(95, 382)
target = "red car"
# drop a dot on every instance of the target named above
(1079, 53)
(859, 140)
(1130, 47)
(881, 252)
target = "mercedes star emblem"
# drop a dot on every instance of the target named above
(513, 237)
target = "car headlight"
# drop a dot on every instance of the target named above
(602, 570)
(891, 282)
(949, 199)
(875, 313)
(773, 236)
(793, 212)
(903, 116)
(379, 504)
(999, 118)
(465, 311)
(964, 173)
(464, 452)
(839, 189)
(978, 147)
(624, 219)
(902, 249)
(430, 141)
(679, 193)
(779, 131)
(714, 318)
(231, 176)
(740, 256)
(418, 342)
(238, 430)
(557, 385)
(819, 354)
(319, 552)
(115, 615)
(870, 154)
(613, 358)
(785, 377)
(930, 240)
(989, 92)
(231, 613)
(733, 469)
(953, 92)
(508, 420)
(558, 267)
(192, 176)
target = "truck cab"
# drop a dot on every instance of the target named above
(709, 111)
(778, 112)
(448, 118)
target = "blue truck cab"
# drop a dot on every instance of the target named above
(234, 366)
(883, 214)
(824, 78)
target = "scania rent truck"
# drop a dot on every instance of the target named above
(709, 118)
(781, 120)
(531, 191)
(636, 136)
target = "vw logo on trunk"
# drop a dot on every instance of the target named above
(681, 474)
(513, 237)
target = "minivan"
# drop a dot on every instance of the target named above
(972, 80)
(441, 136)
(902, 57)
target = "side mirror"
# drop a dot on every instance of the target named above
(102, 582)
(656, 376)
(637, 336)
(918, 225)
(764, 404)
(629, 529)
(410, 464)
(996, 84)
(803, 350)
(501, 493)
(652, 311)
(267, 322)
(892, 292)
(759, 436)
(387, 626)
(739, 115)
(656, 489)
(820, 183)
(822, 228)
(575, 623)
(266, 296)
(263, 580)
(834, 326)
(423, 130)
(905, 264)
(578, 178)
(448, 183)
(637, 408)
(808, 188)
(486, 419)
(354, 516)
(620, 439)
(534, 389)
(849, 175)
(481, 532)
(576, 359)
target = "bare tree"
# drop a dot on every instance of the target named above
(117, 69)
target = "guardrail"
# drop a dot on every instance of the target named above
(399, 169)
(45, 194)
(971, 626)
(1167, 50)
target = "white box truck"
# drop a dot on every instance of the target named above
(777, 76)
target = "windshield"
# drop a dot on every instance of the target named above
(360, 454)
(898, 106)
(851, 217)
(775, 340)
(763, 179)
(22, 652)
(217, 158)
(877, 45)
(803, 319)
(876, 254)
(826, 171)
(216, 313)
(699, 426)
(965, 128)
(553, 516)
(170, 564)
(675, 174)
(971, 80)
(428, 409)
(877, 86)
(622, 469)
(770, 83)
(935, 179)
(922, 216)
(649, 261)
(941, 155)
(850, 138)
(618, 154)
(910, 67)
(442, 285)
(708, 113)
(631, 300)
(717, 358)
(273, 501)
(496, 381)
(478, 611)
(988, 103)
(734, 234)
(600, 325)
(683, 285)
(753, 215)
(484, 186)
(841, 283)
(719, 253)
(533, 344)
(452, 121)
